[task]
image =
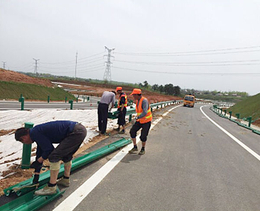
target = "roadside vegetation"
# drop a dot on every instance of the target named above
(13, 90)
(247, 107)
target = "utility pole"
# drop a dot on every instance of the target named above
(107, 74)
(36, 66)
(4, 65)
(76, 65)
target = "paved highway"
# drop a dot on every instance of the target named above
(194, 160)
(28, 105)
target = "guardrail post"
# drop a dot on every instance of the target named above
(65, 99)
(26, 156)
(238, 115)
(249, 121)
(48, 100)
(71, 104)
(130, 117)
(21, 100)
(87, 98)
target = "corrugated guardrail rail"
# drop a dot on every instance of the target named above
(25, 190)
(29, 201)
(222, 113)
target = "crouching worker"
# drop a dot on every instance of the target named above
(68, 134)
(143, 121)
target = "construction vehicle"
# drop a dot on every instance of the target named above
(189, 100)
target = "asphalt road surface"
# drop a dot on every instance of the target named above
(190, 164)
(28, 105)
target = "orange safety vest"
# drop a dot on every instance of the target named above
(122, 95)
(148, 117)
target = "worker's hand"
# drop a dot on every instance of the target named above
(36, 178)
(36, 165)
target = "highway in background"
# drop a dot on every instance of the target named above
(28, 105)
(191, 163)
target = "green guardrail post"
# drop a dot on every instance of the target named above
(48, 100)
(115, 106)
(249, 121)
(21, 100)
(87, 98)
(130, 117)
(238, 116)
(230, 114)
(26, 156)
(71, 104)
(65, 99)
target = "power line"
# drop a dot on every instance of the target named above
(188, 73)
(197, 52)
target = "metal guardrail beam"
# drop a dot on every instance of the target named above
(26, 186)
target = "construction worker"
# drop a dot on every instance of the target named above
(143, 120)
(103, 108)
(122, 104)
(69, 135)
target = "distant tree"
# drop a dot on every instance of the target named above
(155, 87)
(176, 90)
(145, 84)
(161, 88)
(168, 89)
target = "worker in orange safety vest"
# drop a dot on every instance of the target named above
(143, 120)
(122, 104)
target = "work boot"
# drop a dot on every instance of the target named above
(142, 152)
(133, 150)
(64, 182)
(122, 132)
(46, 191)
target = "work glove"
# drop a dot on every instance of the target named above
(37, 166)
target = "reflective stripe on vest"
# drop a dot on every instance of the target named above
(125, 105)
(148, 117)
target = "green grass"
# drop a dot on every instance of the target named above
(13, 90)
(247, 107)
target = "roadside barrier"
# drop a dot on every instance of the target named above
(223, 113)
(130, 111)
(25, 190)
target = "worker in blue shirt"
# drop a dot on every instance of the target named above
(68, 134)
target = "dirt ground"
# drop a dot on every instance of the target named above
(15, 173)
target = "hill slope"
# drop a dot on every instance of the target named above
(248, 107)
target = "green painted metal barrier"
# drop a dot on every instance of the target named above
(26, 156)
(71, 104)
(19, 189)
(249, 119)
(30, 202)
(21, 100)
(130, 111)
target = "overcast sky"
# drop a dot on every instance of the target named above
(199, 44)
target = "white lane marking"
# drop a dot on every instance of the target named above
(78, 195)
(233, 137)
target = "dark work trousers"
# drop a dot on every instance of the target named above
(121, 116)
(102, 117)
(144, 132)
(69, 145)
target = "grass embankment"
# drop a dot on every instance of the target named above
(13, 90)
(247, 107)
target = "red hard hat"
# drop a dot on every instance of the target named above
(119, 88)
(136, 92)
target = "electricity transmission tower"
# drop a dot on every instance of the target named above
(107, 74)
(36, 66)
